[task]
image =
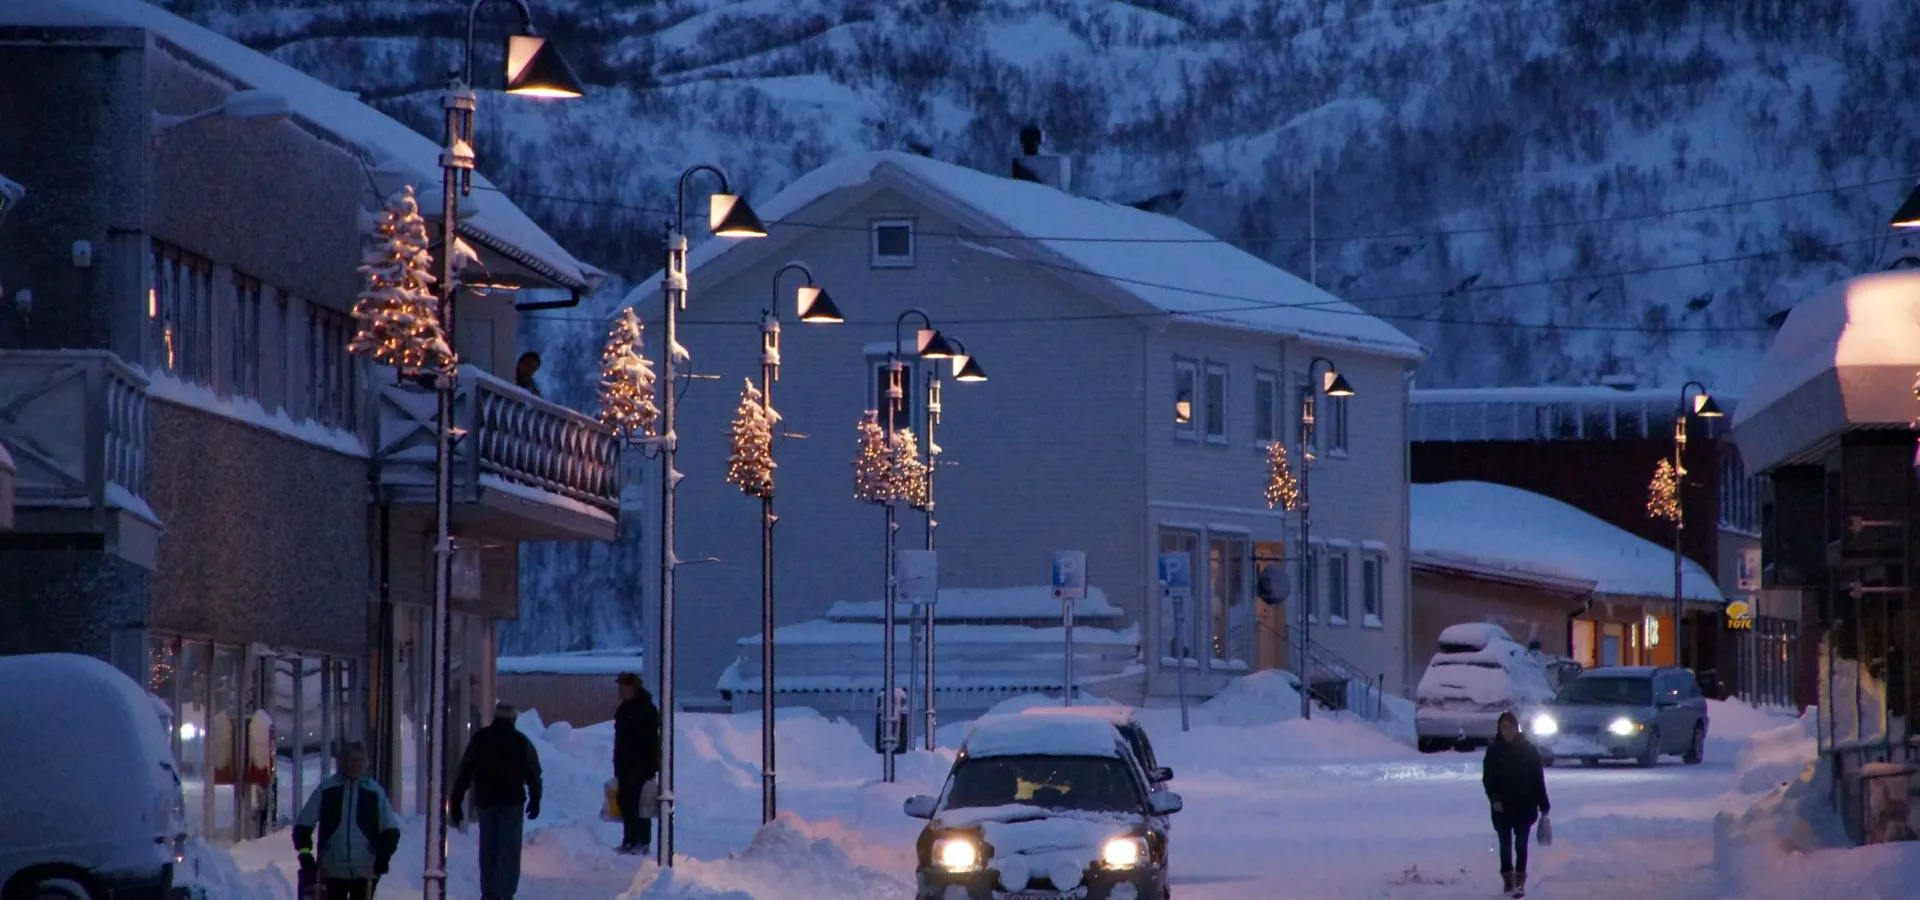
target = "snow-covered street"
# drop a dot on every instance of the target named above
(1328, 809)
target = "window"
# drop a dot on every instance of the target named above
(1266, 415)
(1216, 403)
(1334, 422)
(1232, 619)
(1337, 586)
(333, 381)
(892, 243)
(1186, 376)
(1370, 599)
(1310, 604)
(180, 311)
(904, 410)
(244, 357)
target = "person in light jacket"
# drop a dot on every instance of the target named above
(354, 826)
(1516, 783)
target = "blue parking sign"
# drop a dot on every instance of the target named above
(1070, 574)
(1175, 572)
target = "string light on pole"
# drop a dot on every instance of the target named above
(1663, 493)
(873, 462)
(750, 463)
(1283, 490)
(396, 310)
(627, 380)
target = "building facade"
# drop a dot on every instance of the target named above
(1119, 419)
(213, 494)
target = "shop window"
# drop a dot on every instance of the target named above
(1232, 611)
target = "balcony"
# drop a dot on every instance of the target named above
(523, 468)
(75, 424)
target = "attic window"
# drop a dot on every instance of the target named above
(892, 243)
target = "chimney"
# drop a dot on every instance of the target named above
(1050, 169)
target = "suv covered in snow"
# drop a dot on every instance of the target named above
(1479, 673)
(1127, 722)
(1044, 807)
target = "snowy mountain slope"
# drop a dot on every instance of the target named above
(1640, 183)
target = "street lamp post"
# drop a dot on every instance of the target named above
(534, 68)
(1704, 407)
(814, 306)
(965, 368)
(728, 216)
(1335, 385)
(931, 345)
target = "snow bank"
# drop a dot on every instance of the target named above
(1772, 758)
(1756, 846)
(789, 857)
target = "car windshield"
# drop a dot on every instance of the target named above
(1077, 783)
(1590, 691)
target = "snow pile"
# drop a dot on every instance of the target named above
(789, 857)
(1754, 844)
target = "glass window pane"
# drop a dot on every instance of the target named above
(1628, 423)
(1216, 402)
(1263, 411)
(1185, 396)
(1370, 587)
(1336, 586)
(1596, 421)
(194, 674)
(1231, 619)
(223, 742)
(1566, 421)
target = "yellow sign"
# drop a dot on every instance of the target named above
(1740, 616)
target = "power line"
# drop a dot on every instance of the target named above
(1251, 304)
(1247, 239)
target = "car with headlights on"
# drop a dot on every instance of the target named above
(1044, 808)
(1624, 712)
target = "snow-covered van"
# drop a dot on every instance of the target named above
(93, 808)
(1479, 673)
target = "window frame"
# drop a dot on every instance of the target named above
(244, 346)
(1188, 369)
(1269, 381)
(1373, 599)
(1335, 419)
(1339, 588)
(879, 260)
(1215, 412)
(333, 374)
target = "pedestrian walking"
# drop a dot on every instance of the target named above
(354, 827)
(1516, 783)
(636, 760)
(504, 771)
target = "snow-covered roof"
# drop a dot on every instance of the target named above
(1844, 358)
(1140, 253)
(1027, 602)
(1038, 736)
(496, 221)
(584, 662)
(1503, 527)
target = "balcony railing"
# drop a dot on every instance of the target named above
(555, 468)
(75, 423)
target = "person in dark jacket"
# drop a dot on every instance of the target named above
(1516, 783)
(504, 771)
(356, 827)
(636, 759)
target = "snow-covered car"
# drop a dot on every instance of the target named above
(93, 807)
(1479, 673)
(1624, 712)
(1044, 807)
(1124, 719)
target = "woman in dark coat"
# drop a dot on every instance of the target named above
(1516, 784)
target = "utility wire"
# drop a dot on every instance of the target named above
(1249, 239)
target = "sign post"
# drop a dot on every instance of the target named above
(1069, 584)
(917, 576)
(1176, 583)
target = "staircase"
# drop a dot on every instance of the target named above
(1338, 684)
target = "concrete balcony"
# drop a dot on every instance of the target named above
(75, 425)
(523, 468)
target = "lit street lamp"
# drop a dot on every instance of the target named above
(534, 68)
(1334, 385)
(966, 369)
(1704, 407)
(814, 306)
(728, 215)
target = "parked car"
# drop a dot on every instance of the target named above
(1127, 722)
(1625, 712)
(1479, 673)
(1043, 808)
(94, 808)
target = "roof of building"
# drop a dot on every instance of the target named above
(1504, 527)
(496, 222)
(1843, 359)
(1166, 264)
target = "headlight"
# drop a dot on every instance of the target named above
(1123, 852)
(1545, 726)
(1624, 727)
(956, 854)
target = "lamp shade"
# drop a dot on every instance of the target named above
(933, 345)
(817, 306)
(1183, 408)
(1704, 407)
(730, 216)
(1337, 385)
(1908, 216)
(965, 368)
(536, 69)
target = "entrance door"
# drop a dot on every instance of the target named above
(1611, 641)
(1271, 618)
